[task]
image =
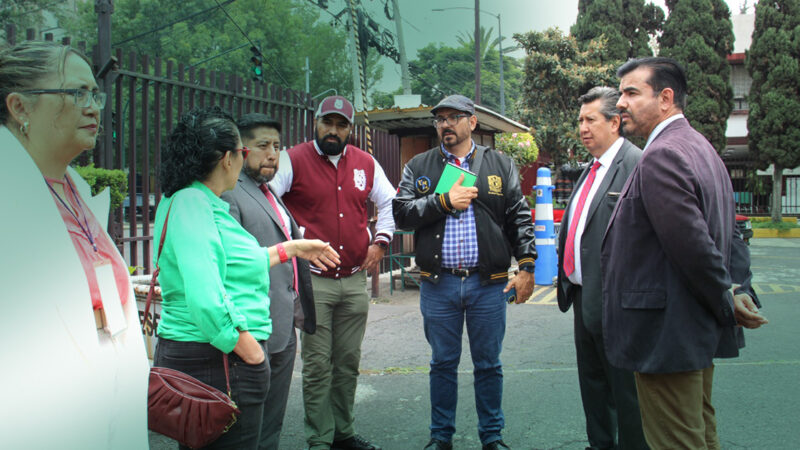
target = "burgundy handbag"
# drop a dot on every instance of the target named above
(180, 406)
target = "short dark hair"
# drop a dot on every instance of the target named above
(249, 122)
(666, 73)
(609, 97)
(194, 147)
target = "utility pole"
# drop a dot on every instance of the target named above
(477, 52)
(104, 9)
(358, 100)
(307, 69)
(401, 44)
(502, 84)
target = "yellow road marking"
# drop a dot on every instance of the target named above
(543, 295)
(770, 288)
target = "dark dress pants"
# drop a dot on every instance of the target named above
(249, 385)
(281, 365)
(609, 397)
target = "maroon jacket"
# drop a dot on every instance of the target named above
(666, 256)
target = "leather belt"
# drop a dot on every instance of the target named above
(463, 273)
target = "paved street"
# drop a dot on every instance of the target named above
(756, 395)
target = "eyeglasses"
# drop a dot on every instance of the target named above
(451, 120)
(245, 151)
(83, 97)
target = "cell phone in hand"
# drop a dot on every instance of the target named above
(511, 296)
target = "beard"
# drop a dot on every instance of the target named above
(330, 148)
(255, 174)
(454, 138)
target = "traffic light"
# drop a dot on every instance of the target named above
(258, 68)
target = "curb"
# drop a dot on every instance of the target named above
(773, 233)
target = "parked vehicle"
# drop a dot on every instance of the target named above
(745, 227)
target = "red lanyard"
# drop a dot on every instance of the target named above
(86, 230)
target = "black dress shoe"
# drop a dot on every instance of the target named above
(355, 442)
(496, 445)
(436, 444)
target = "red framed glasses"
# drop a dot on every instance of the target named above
(245, 151)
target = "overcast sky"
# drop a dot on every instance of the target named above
(422, 26)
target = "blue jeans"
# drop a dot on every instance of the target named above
(445, 306)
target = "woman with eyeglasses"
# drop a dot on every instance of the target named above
(214, 276)
(74, 357)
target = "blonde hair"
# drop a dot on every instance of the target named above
(24, 65)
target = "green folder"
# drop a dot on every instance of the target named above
(450, 175)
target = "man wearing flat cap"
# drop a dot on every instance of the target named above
(326, 183)
(465, 276)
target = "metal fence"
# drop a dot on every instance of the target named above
(146, 97)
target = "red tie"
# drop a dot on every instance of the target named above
(569, 248)
(271, 200)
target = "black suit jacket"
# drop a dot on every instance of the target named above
(666, 256)
(597, 217)
(250, 208)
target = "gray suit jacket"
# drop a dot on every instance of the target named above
(596, 222)
(666, 258)
(250, 208)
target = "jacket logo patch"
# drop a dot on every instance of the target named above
(360, 179)
(495, 184)
(423, 184)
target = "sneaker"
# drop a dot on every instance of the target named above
(436, 444)
(495, 445)
(355, 442)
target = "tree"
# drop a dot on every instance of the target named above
(774, 63)
(27, 14)
(627, 26)
(557, 72)
(698, 33)
(192, 31)
(439, 70)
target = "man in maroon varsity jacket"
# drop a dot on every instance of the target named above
(325, 184)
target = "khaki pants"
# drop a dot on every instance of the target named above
(331, 357)
(677, 411)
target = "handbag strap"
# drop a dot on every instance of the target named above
(153, 288)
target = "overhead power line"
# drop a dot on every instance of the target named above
(182, 19)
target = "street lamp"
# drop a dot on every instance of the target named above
(477, 64)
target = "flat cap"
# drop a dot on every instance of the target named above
(457, 102)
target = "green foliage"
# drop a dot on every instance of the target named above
(782, 225)
(698, 33)
(287, 31)
(521, 147)
(627, 26)
(440, 70)
(557, 72)
(25, 14)
(98, 179)
(774, 63)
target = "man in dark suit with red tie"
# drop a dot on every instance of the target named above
(608, 393)
(667, 291)
(290, 294)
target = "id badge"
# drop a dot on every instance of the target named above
(112, 305)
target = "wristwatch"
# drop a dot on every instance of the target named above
(527, 267)
(382, 244)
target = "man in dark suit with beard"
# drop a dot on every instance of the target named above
(669, 303)
(608, 393)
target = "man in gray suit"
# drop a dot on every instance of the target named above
(291, 299)
(608, 393)
(668, 301)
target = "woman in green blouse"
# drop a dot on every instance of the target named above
(214, 277)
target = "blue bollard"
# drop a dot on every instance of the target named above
(547, 261)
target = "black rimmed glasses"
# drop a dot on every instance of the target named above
(451, 120)
(83, 97)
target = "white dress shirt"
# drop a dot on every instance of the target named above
(605, 162)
